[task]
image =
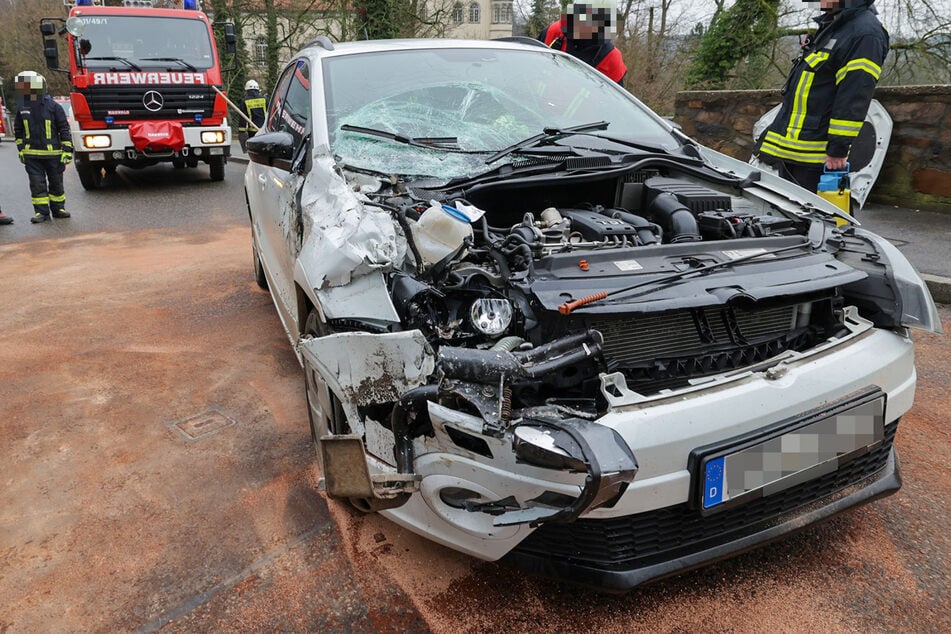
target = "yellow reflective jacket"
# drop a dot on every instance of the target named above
(827, 93)
(41, 128)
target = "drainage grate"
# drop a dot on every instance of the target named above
(201, 425)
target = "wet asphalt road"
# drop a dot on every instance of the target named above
(157, 470)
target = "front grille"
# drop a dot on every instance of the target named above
(125, 103)
(644, 539)
(660, 351)
(633, 339)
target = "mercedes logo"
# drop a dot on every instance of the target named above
(153, 101)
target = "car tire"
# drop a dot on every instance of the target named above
(326, 415)
(259, 276)
(324, 410)
(91, 177)
(217, 165)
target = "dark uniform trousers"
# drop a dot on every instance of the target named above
(42, 170)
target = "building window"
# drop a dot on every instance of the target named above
(457, 13)
(501, 13)
(260, 50)
(474, 13)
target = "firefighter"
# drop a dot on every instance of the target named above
(255, 107)
(827, 93)
(44, 145)
(583, 33)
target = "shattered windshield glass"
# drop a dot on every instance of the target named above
(470, 103)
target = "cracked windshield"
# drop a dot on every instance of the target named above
(444, 113)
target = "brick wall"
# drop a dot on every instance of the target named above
(917, 168)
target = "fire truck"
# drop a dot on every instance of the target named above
(145, 83)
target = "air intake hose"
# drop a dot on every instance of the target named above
(678, 222)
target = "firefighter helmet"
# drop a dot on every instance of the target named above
(29, 81)
(252, 85)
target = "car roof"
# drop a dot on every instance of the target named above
(316, 50)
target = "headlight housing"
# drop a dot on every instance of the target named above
(491, 315)
(97, 141)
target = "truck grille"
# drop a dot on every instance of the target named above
(635, 541)
(126, 103)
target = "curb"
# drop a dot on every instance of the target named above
(939, 286)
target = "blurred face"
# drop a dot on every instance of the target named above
(589, 21)
(831, 5)
(30, 86)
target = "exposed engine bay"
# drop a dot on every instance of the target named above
(543, 301)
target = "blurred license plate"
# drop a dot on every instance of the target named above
(796, 454)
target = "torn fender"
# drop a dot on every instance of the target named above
(362, 369)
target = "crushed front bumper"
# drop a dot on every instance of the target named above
(617, 554)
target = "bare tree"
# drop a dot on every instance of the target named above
(21, 47)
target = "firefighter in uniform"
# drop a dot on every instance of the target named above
(255, 107)
(827, 93)
(583, 34)
(44, 145)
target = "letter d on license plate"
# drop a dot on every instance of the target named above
(795, 452)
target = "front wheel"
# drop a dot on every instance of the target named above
(259, 276)
(217, 164)
(326, 414)
(90, 175)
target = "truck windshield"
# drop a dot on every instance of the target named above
(139, 40)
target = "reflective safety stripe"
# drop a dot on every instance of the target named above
(792, 155)
(795, 144)
(861, 64)
(42, 200)
(251, 104)
(798, 114)
(30, 152)
(49, 134)
(26, 129)
(814, 59)
(844, 127)
(58, 199)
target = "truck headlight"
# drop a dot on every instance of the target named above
(213, 136)
(491, 316)
(96, 141)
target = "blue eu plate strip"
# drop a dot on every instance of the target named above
(713, 483)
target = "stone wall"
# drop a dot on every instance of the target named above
(917, 168)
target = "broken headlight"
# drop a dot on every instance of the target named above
(490, 315)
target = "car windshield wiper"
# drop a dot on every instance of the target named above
(429, 142)
(169, 59)
(116, 59)
(647, 147)
(546, 135)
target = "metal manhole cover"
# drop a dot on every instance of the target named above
(201, 425)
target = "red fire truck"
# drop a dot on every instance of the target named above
(143, 82)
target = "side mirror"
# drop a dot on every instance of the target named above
(272, 148)
(231, 41)
(51, 53)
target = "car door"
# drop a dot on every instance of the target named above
(273, 187)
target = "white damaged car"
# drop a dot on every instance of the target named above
(539, 323)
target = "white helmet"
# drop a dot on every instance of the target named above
(29, 81)
(251, 85)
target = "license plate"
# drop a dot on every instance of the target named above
(800, 451)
